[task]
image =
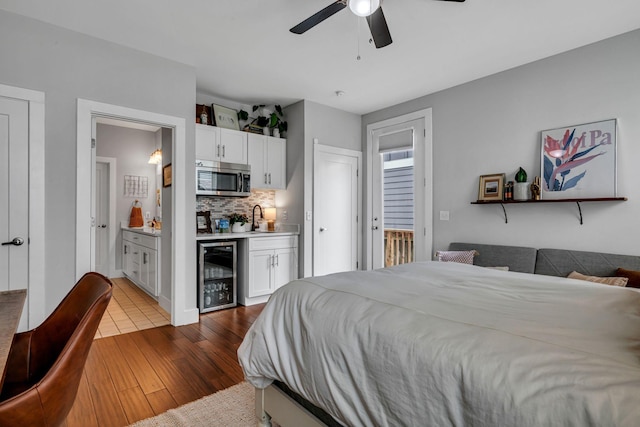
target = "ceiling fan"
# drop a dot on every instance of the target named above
(369, 9)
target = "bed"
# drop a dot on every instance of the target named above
(443, 344)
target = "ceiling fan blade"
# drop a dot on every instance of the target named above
(379, 29)
(319, 17)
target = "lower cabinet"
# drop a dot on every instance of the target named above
(140, 260)
(266, 263)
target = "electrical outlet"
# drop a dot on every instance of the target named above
(444, 215)
(308, 216)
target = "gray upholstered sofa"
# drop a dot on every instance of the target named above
(551, 262)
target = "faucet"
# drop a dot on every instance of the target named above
(253, 217)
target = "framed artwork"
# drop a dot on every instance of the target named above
(579, 161)
(166, 175)
(203, 222)
(491, 187)
(225, 117)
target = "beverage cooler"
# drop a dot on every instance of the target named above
(217, 275)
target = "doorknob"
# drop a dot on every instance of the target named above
(374, 227)
(17, 241)
(103, 226)
(323, 229)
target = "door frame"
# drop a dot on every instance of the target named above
(339, 152)
(425, 115)
(37, 207)
(112, 164)
(86, 111)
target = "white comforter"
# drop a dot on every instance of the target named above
(441, 344)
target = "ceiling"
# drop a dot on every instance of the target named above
(242, 50)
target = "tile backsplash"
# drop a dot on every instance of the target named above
(222, 207)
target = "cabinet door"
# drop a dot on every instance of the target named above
(207, 142)
(276, 158)
(233, 146)
(260, 271)
(148, 270)
(257, 145)
(126, 257)
(284, 269)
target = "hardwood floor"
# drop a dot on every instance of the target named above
(138, 375)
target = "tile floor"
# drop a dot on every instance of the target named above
(130, 310)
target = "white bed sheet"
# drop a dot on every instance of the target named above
(439, 344)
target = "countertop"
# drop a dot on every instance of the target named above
(285, 230)
(144, 230)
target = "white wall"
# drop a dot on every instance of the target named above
(493, 125)
(66, 66)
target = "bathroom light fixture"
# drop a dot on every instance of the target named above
(156, 157)
(363, 7)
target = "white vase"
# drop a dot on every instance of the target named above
(265, 130)
(237, 228)
(276, 132)
(521, 191)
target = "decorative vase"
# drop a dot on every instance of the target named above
(521, 191)
(265, 130)
(237, 228)
(276, 132)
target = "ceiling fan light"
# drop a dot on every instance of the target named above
(364, 7)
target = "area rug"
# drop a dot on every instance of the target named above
(234, 407)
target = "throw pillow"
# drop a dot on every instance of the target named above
(633, 276)
(464, 257)
(613, 281)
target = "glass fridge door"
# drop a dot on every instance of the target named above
(217, 276)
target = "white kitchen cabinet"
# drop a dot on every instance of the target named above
(268, 160)
(266, 263)
(140, 260)
(221, 145)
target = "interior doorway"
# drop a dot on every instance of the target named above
(182, 308)
(409, 139)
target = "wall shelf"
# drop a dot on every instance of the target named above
(576, 201)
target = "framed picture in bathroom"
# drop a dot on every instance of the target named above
(166, 176)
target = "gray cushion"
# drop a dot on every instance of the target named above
(517, 258)
(561, 262)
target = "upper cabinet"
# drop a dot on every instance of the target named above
(267, 157)
(220, 144)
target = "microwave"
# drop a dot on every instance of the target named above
(222, 179)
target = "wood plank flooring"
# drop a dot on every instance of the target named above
(138, 375)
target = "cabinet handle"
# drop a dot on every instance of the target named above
(265, 178)
(144, 257)
(218, 150)
(126, 249)
(223, 150)
(278, 259)
(269, 178)
(272, 259)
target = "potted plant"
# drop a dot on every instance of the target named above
(237, 222)
(267, 119)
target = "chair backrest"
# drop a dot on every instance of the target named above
(56, 353)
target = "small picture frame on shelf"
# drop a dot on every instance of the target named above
(225, 117)
(491, 187)
(203, 222)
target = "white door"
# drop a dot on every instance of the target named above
(102, 218)
(399, 135)
(336, 204)
(14, 198)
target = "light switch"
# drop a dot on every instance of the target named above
(444, 215)
(308, 216)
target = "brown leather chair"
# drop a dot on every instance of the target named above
(45, 364)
